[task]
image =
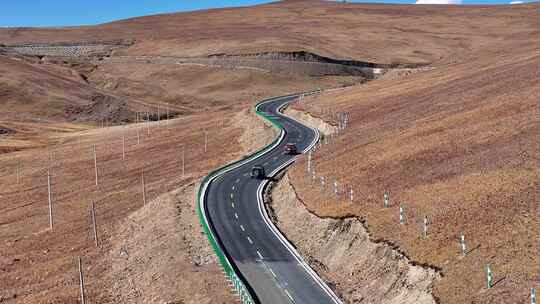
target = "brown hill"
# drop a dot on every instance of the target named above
(458, 144)
(372, 32)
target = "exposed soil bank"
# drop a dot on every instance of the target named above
(162, 256)
(257, 132)
(311, 121)
(341, 251)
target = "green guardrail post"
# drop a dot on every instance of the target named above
(489, 275)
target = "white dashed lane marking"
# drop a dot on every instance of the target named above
(237, 180)
(236, 215)
(260, 255)
(249, 240)
(242, 227)
(232, 204)
(289, 295)
(272, 272)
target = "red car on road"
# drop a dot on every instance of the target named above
(290, 149)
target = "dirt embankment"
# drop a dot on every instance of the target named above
(162, 256)
(160, 253)
(257, 132)
(311, 121)
(359, 269)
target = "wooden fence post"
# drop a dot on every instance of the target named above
(143, 188)
(148, 123)
(51, 221)
(81, 281)
(18, 170)
(124, 145)
(205, 141)
(94, 224)
(95, 163)
(183, 161)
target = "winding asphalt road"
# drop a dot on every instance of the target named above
(268, 265)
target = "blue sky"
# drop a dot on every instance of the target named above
(78, 12)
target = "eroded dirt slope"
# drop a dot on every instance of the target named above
(342, 252)
(458, 144)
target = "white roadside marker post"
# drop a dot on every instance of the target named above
(95, 163)
(322, 183)
(401, 214)
(50, 200)
(462, 243)
(352, 195)
(533, 295)
(489, 275)
(138, 134)
(425, 227)
(81, 282)
(386, 200)
(143, 188)
(94, 224)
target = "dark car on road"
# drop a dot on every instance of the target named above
(257, 172)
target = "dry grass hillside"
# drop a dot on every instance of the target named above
(371, 32)
(145, 252)
(459, 144)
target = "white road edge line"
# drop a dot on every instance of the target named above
(220, 173)
(276, 231)
(272, 272)
(289, 295)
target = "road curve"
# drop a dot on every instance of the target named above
(266, 265)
